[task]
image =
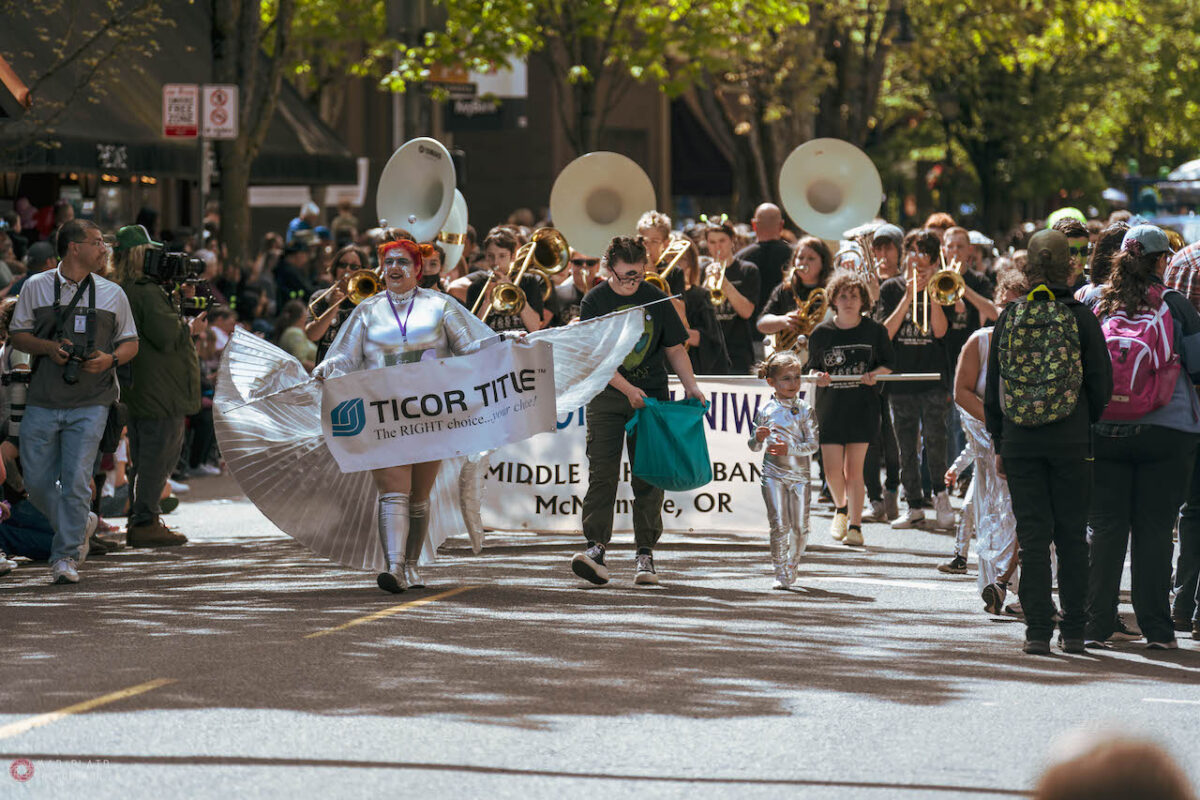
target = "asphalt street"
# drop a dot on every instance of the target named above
(241, 665)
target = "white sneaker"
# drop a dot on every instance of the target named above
(7, 565)
(837, 528)
(945, 519)
(178, 487)
(909, 520)
(64, 571)
(206, 471)
(85, 548)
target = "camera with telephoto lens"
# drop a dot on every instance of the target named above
(76, 355)
(167, 267)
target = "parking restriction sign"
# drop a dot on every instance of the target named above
(220, 120)
(181, 110)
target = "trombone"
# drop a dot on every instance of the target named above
(360, 284)
(546, 253)
(675, 249)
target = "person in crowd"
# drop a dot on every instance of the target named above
(582, 276)
(1048, 380)
(1106, 247)
(706, 342)
(435, 263)
(1145, 444)
(79, 328)
(292, 278)
(306, 219)
(1080, 243)
(165, 388)
(501, 246)
(788, 427)
(655, 229)
(938, 223)
(987, 508)
(10, 223)
(333, 309)
(812, 265)
(40, 258)
(291, 336)
(848, 412)
(886, 241)
(769, 252)
(736, 286)
(919, 408)
(643, 374)
(345, 224)
(222, 320)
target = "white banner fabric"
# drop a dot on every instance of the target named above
(538, 484)
(439, 408)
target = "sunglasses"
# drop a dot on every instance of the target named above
(585, 262)
(1079, 249)
(347, 265)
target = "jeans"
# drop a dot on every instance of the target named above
(1050, 503)
(1141, 479)
(920, 418)
(26, 533)
(1187, 568)
(58, 448)
(885, 447)
(606, 418)
(154, 446)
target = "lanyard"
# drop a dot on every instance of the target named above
(403, 325)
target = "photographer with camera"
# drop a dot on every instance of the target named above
(79, 329)
(161, 288)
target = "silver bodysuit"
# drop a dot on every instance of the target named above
(389, 329)
(785, 480)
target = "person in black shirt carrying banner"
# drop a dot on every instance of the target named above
(642, 375)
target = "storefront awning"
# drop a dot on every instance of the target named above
(121, 133)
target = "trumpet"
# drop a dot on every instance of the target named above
(947, 284)
(675, 250)
(714, 279)
(546, 253)
(360, 284)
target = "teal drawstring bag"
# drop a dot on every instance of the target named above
(670, 448)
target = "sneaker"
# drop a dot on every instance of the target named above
(154, 535)
(7, 565)
(1171, 645)
(393, 582)
(645, 575)
(1036, 647)
(878, 512)
(837, 528)
(993, 598)
(1096, 644)
(64, 571)
(1014, 610)
(853, 536)
(891, 505)
(1073, 646)
(168, 504)
(943, 513)
(178, 487)
(912, 519)
(955, 566)
(589, 565)
(1123, 632)
(204, 471)
(97, 546)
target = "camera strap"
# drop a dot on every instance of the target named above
(64, 313)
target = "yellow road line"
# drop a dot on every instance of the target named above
(387, 612)
(16, 728)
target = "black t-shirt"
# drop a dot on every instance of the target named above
(345, 309)
(781, 302)
(851, 351)
(645, 366)
(565, 302)
(960, 326)
(913, 351)
(710, 356)
(738, 339)
(531, 285)
(770, 257)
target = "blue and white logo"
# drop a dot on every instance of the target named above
(348, 418)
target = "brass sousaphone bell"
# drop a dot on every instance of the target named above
(597, 197)
(416, 189)
(828, 186)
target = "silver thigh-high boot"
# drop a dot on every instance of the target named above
(418, 527)
(798, 496)
(393, 536)
(775, 495)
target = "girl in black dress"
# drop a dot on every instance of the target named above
(848, 412)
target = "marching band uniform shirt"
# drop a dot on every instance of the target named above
(781, 302)
(913, 351)
(645, 366)
(771, 257)
(739, 340)
(531, 285)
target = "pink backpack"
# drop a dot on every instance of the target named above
(1145, 366)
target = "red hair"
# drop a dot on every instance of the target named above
(418, 252)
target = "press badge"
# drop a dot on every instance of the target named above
(81, 323)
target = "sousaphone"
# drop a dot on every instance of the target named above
(453, 237)
(416, 189)
(598, 196)
(829, 185)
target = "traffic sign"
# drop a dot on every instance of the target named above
(220, 111)
(181, 110)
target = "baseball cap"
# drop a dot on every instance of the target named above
(890, 232)
(1068, 211)
(979, 240)
(37, 254)
(132, 236)
(1150, 239)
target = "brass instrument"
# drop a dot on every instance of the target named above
(812, 311)
(920, 297)
(828, 186)
(360, 284)
(861, 256)
(714, 279)
(546, 253)
(675, 249)
(947, 284)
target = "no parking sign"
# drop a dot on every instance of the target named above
(220, 118)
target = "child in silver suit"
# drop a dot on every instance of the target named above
(788, 426)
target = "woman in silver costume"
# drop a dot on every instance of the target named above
(788, 426)
(987, 512)
(400, 325)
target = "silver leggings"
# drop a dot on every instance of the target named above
(787, 515)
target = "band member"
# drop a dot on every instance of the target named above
(769, 252)
(332, 309)
(812, 264)
(886, 241)
(433, 269)
(501, 246)
(583, 276)
(736, 286)
(788, 426)
(642, 375)
(706, 343)
(655, 229)
(848, 413)
(919, 408)
(396, 326)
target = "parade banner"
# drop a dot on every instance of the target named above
(538, 484)
(440, 407)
